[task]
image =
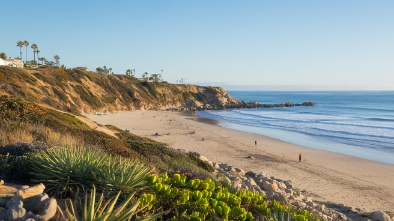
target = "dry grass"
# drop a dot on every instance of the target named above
(31, 134)
(15, 136)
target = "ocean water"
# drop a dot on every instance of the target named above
(359, 124)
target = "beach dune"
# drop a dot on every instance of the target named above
(330, 177)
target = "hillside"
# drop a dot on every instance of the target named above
(80, 91)
(27, 126)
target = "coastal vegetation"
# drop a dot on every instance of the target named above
(147, 179)
(75, 91)
(136, 176)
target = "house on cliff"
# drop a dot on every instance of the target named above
(13, 62)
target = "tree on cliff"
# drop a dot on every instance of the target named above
(34, 47)
(128, 72)
(57, 58)
(3, 55)
(145, 75)
(20, 44)
(100, 70)
(26, 43)
(43, 60)
(37, 51)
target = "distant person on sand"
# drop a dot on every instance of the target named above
(299, 158)
(255, 142)
(203, 139)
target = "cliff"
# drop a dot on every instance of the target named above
(80, 91)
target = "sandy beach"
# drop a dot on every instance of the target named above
(329, 177)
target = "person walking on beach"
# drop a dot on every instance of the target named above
(299, 158)
(255, 143)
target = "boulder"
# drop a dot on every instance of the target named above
(3, 202)
(239, 170)
(182, 151)
(1, 182)
(280, 197)
(13, 199)
(237, 183)
(216, 166)
(34, 203)
(203, 158)
(32, 191)
(322, 207)
(310, 203)
(281, 185)
(48, 210)
(380, 216)
(3, 214)
(269, 194)
(261, 175)
(289, 184)
(251, 174)
(15, 210)
(270, 186)
(300, 204)
(223, 165)
(234, 173)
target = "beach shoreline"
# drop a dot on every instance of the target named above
(330, 177)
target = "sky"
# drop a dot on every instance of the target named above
(239, 45)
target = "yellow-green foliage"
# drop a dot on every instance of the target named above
(197, 199)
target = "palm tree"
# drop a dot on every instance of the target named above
(128, 72)
(42, 59)
(145, 75)
(20, 44)
(3, 55)
(34, 47)
(57, 59)
(109, 69)
(105, 69)
(38, 51)
(26, 43)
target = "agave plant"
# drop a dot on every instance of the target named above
(66, 170)
(97, 211)
(122, 174)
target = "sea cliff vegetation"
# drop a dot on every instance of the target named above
(138, 178)
(75, 91)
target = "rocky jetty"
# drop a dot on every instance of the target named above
(286, 191)
(243, 104)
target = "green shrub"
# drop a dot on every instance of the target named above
(97, 211)
(122, 174)
(65, 171)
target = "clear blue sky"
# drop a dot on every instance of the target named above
(278, 44)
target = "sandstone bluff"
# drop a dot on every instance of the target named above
(81, 91)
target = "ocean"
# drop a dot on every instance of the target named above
(359, 124)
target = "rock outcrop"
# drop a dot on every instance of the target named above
(29, 203)
(286, 191)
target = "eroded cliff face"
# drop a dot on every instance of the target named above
(78, 91)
